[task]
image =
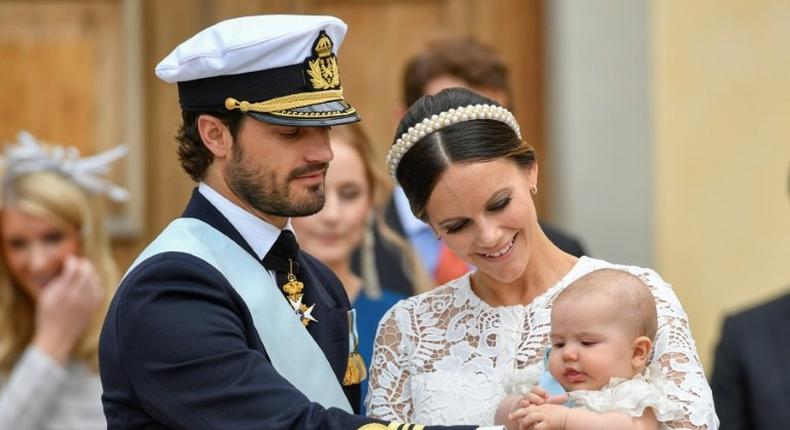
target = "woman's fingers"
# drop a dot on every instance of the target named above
(557, 399)
(537, 389)
(534, 399)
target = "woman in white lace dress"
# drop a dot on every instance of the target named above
(446, 355)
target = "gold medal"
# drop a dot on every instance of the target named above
(293, 290)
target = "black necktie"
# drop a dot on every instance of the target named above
(281, 258)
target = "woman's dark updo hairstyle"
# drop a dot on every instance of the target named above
(468, 141)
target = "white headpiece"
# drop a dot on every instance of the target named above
(441, 120)
(28, 156)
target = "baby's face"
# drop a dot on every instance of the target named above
(588, 346)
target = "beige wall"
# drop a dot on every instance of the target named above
(722, 153)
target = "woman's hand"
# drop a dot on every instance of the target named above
(504, 412)
(65, 308)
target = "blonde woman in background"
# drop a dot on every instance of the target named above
(56, 279)
(357, 188)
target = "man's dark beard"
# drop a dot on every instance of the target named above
(270, 197)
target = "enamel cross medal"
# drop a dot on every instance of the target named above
(293, 290)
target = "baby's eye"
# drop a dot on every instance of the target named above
(558, 344)
(588, 343)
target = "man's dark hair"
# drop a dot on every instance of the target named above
(192, 153)
(465, 59)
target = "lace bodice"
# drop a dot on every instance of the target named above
(445, 356)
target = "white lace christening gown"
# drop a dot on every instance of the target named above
(632, 397)
(445, 356)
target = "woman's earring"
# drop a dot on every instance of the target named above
(533, 189)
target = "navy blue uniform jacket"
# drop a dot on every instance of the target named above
(179, 350)
(751, 372)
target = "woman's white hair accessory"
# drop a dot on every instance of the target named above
(28, 156)
(441, 120)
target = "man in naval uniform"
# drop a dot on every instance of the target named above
(221, 322)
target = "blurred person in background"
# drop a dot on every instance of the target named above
(460, 62)
(356, 189)
(751, 368)
(751, 372)
(56, 281)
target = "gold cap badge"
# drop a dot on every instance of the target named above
(322, 66)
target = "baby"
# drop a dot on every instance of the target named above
(602, 330)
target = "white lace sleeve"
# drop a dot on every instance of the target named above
(676, 354)
(388, 397)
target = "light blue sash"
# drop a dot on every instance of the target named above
(292, 350)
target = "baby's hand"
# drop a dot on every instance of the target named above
(539, 396)
(524, 403)
(515, 407)
(544, 417)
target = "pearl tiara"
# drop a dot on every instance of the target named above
(444, 119)
(28, 155)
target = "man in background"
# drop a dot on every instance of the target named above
(751, 372)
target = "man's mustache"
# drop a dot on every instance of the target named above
(308, 170)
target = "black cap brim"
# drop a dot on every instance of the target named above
(331, 113)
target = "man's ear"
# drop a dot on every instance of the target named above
(640, 348)
(215, 135)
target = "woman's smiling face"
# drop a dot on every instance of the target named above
(35, 249)
(485, 213)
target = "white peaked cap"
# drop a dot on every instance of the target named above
(280, 69)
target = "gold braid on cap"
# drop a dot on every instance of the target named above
(291, 101)
(439, 121)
